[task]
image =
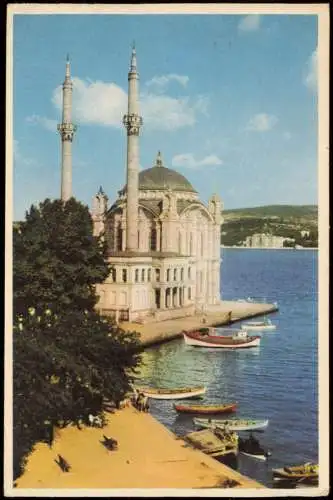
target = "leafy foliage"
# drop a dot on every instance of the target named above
(67, 357)
(57, 260)
(287, 221)
(63, 369)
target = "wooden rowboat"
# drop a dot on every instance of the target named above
(297, 472)
(206, 409)
(181, 393)
(252, 448)
(232, 424)
(258, 325)
(206, 337)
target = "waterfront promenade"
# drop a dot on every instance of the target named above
(156, 332)
(148, 456)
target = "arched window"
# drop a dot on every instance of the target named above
(142, 274)
(153, 239)
(175, 274)
(124, 275)
(168, 274)
(136, 275)
(119, 238)
(157, 274)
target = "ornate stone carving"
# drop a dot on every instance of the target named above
(66, 130)
(132, 123)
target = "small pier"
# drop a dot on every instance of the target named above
(211, 444)
(226, 313)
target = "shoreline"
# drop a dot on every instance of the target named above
(270, 248)
(154, 333)
(148, 456)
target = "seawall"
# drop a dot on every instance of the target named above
(158, 332)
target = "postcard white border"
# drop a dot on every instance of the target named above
(322, 11)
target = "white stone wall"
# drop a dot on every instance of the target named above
(191, 281)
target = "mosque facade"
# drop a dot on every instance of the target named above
(163, 242)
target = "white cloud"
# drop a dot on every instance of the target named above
(45, 122)
(262, 122)
(187, 160)
(95, 102)
(311, 77)
(19, 158)
(105, 104)
(163, 80)
(249, 23)
(162, 112)
(201, 104)
(287, 136)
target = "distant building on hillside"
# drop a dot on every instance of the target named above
(262, 240)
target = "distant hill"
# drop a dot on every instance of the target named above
(299, 211)
(289, 221)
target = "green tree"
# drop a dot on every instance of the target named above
(64, 367)
(57, 260)
(67, 358)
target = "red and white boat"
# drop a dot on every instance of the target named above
(206, 337)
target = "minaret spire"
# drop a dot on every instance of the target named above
(159, 161)
(133, 59)
(132, 122)
(68, 68)
(66, 130)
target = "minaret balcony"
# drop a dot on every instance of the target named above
(66, 130)
(132, 123)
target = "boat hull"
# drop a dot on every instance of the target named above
(257, 328)
(296, 473)
(233, 425)
(200, 342)
(173, 395)
(258, 457)
(213, 410)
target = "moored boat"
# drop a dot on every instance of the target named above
(206, 337)
(305, 471)
(206, 409)
(231, 424)
(180, 393)
(252, 448)
(213, 443)
(258, 325)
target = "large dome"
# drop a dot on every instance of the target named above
(159, 177)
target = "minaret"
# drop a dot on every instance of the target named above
(66, 130)
(159, 161)
(132, 122)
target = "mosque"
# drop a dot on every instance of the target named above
(163, 241)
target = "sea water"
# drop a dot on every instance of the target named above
(277, 380)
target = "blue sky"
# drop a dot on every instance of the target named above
(230, 101)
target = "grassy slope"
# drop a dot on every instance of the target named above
(275, 210)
